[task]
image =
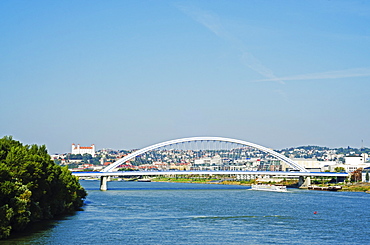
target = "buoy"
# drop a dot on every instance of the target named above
(315, 212)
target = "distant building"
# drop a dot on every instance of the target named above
(209, 161)
(356, 160)
(311, 164)
(77, 149)
(352, 163)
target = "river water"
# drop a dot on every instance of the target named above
(181, 213)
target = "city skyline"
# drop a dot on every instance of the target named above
(125, 75)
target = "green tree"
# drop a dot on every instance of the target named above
(33, 187)
(367, 176)
(339, 169)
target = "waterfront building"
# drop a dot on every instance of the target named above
(355, 160)
(77, 149)
(352, 163)
(313, 164)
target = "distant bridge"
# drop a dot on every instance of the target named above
(299, 171)
(208, 172)
(279, 156)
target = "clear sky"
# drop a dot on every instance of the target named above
(128, 74)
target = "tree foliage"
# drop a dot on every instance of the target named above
(340, 169)
(33, 187)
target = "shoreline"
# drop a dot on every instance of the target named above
(356, 187)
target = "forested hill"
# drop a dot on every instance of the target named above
(33, 187)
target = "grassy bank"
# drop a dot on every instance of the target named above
(220, 181)
(355, 187)
(359, 187)
(202, 181)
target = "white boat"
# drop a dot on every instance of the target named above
(266, 187)
(144, 180)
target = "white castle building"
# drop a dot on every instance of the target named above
(77, 149)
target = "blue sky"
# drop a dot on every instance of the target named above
(128, 74)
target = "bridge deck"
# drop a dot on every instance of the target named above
(149, 173)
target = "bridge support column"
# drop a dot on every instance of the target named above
(304, 181)
(103, 183)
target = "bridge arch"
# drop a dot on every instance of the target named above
(132, 155)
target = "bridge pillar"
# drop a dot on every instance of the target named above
(103, 183)
(304, 181)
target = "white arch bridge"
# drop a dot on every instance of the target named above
(109, 171)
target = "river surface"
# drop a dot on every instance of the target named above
(179, 213)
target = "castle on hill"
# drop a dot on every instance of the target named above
(77, 149)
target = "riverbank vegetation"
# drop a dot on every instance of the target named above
(348, 185)
(360, 186)
(33, 187)
(225, 180)
(202, 180)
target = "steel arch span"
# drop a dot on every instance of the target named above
(279, 156)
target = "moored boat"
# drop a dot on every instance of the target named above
(324, 188)
(267, 187)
